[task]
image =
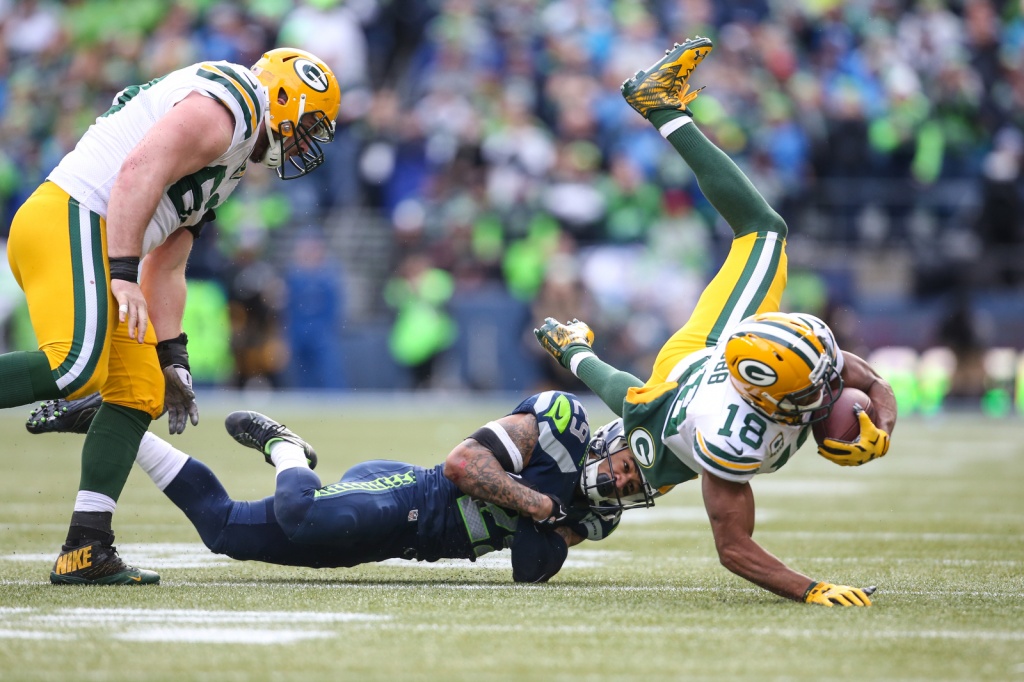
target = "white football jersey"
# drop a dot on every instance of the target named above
(704, 425)
(88, 172)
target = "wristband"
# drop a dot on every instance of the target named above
(810, 588)
(174, 351)
(125, 267)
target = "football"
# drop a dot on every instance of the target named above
(842, 423)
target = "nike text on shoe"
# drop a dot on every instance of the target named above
(259, 432)
(64, 416)
(97, 564)
(663, 85)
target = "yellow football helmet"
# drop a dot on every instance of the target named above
(784, 366)
(304, 99)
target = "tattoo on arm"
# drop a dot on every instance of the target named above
(484, 479)
(570, 536)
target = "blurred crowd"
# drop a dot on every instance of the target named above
(491, 139)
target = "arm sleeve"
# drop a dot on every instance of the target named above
(608, 383)
(537, 554)
(493, 436)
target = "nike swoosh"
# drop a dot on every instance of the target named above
(738, 453)
(136, 578)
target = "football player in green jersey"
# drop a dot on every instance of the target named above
(734, 391)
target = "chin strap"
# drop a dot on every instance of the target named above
(274, 155)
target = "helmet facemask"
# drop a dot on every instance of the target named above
(599, 486)
(303, 98)
(812, 404)
(305, 139)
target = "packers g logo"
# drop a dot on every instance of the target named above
(756, 372)
(642, 445)
(312, 75)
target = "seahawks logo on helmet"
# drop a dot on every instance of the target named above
(312, 75)
(756, 372)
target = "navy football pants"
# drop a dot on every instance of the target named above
(364, 517)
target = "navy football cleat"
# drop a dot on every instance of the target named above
(64, 416)
(259, 432)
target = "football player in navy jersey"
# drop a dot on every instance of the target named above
(733, 392)
(513, 483)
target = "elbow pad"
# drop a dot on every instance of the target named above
(537, 555)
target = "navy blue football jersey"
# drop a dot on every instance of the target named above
(454, 525)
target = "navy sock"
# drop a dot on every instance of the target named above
(198, 492)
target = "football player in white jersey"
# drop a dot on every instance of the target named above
(734, 391)
(100, 251)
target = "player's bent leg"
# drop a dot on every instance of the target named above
(56, 252)
(134, 377)
(294, 498)
(57, 259)
(243, 530)
(370, 503)
(750, 281)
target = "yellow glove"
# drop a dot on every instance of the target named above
(829, 595)
(557, 338)
(873, 443)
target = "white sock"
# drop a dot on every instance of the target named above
(674, 125)
(89, 501)
(159, 459)
(286, 455)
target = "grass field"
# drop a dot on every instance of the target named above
(938, 525)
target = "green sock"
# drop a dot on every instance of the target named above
(720, 179)
(610, 384)
(26, 377)
(110, 448)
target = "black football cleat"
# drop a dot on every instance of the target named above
(64, 416)
(97, 564)
(259, 432)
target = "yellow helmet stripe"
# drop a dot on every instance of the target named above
(236, 89)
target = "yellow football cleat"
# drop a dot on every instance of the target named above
(663, 85)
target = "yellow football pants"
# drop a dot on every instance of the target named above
(751, 281)
(57, 252)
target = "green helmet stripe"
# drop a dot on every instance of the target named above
(248, 114)
(811, 362)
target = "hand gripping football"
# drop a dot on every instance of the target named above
(842, 424)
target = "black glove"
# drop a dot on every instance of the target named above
(559, 513)
(179, 398)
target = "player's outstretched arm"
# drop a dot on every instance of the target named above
(480, 465)
(730, 508)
